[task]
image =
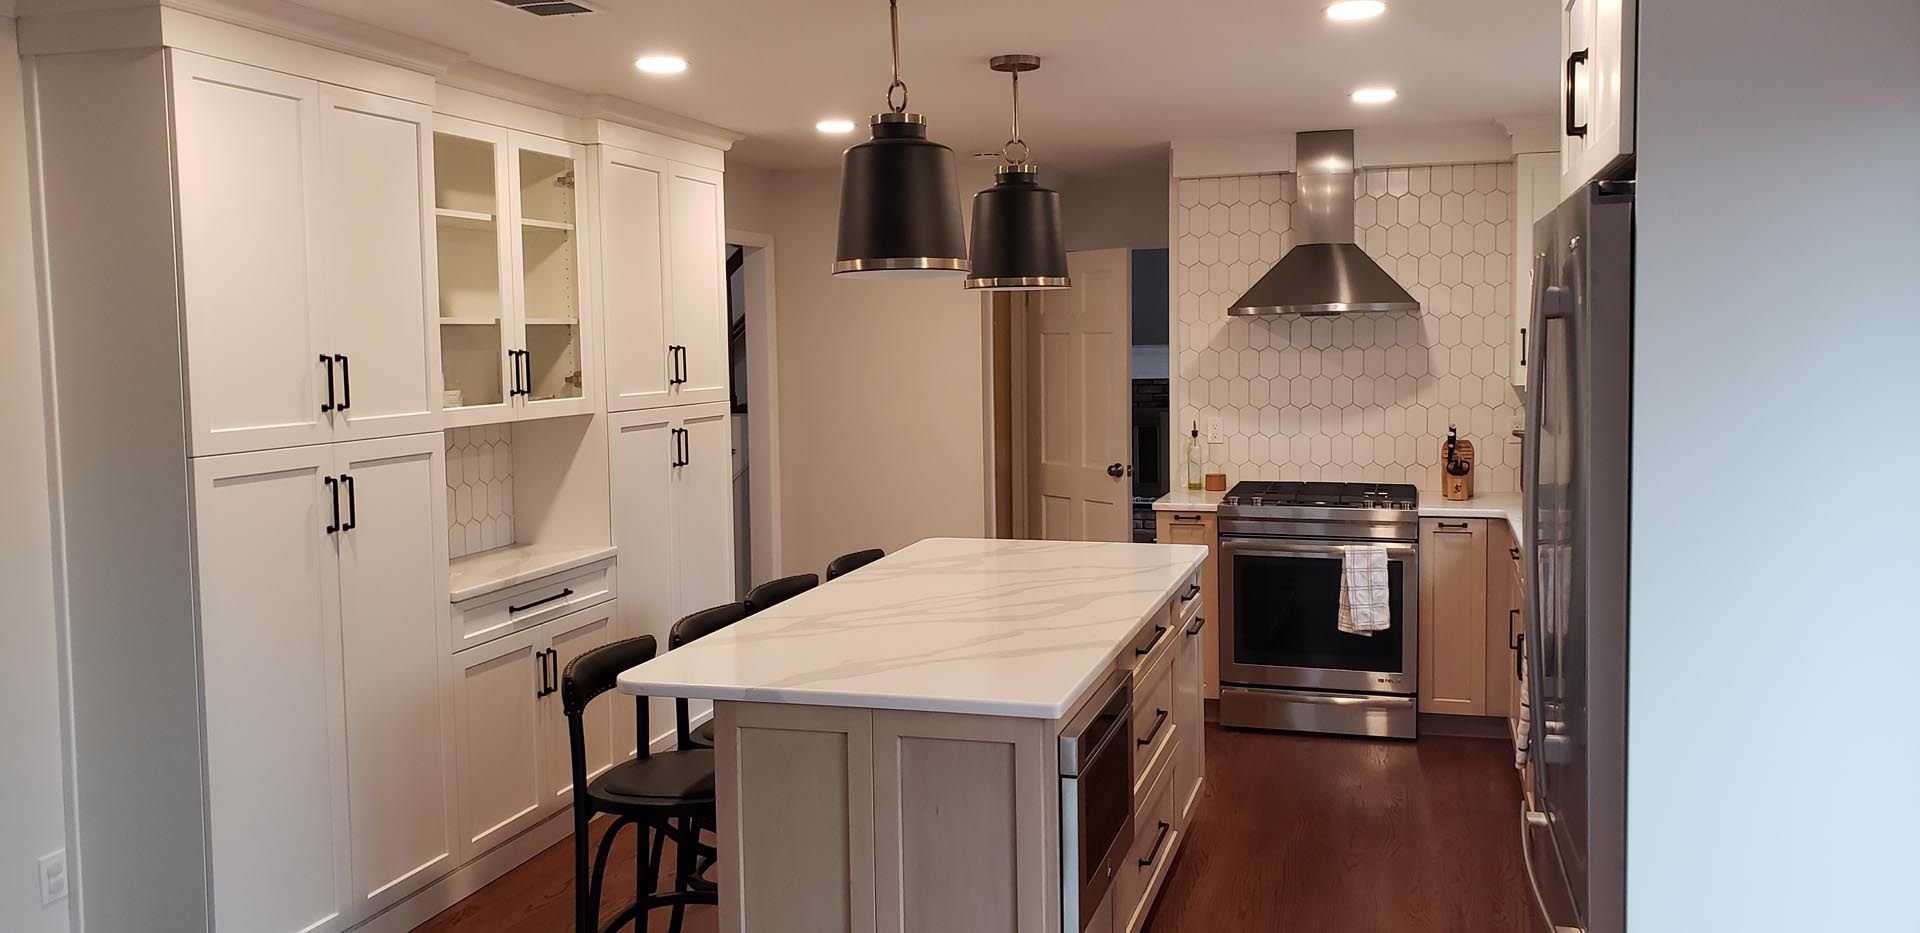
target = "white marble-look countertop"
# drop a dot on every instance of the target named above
(952, 625)
(1189, 500)
(1505, 505)
(495, 570)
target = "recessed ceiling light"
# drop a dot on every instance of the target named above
(661, 64)
(1349, 10)
(835, 126)
(1374, 95)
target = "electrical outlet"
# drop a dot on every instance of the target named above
(1216, 430)
(53, 877)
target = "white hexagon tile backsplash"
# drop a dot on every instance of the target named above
(1364, 397)
(479, 489)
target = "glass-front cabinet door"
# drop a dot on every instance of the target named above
(551, 377)
(471, 211)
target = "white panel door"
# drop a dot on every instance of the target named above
(697, 242)
(375, 253)
(393, 611)
(569, 637)
(1080, 402)
(633, 190)
(642, 452)
(265, 527)
(499, 688)
(703, 509)
(248, 153)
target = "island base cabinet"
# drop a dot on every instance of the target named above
(512, 732)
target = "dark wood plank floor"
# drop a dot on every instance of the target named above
(1294, 833)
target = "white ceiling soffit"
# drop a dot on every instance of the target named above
(1118, 77)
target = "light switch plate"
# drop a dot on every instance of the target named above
(1216, 430)
(53, 877)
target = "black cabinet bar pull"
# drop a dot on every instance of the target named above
(1159, 719)
(1191, 592)
(1513, 616)
(686, 445)
(1159, 632)
(1523, 346)
(333, 487)
(513, 372)
(1158, 841)
(1199, 622)
(1520, 658)
(526, 378)
(327, 361)
(346, 383)
(563, 594)
(1450, 526)
(1574, 61)
(353, 508)
(553, 664)
(543, 689)
(1514, 552)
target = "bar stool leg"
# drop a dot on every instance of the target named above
(585, 911)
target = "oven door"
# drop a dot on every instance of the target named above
(1280, 621)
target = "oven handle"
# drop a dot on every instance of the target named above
(1233, 545)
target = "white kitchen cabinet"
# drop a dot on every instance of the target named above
(664, 281)
(1536, 193)
(1189, 714)
(303, 241)
(248, 161)
(514, 321)
(322, 574)
(399, 714)
(269, 586)
(1597, 88)
(512, 744)
(672, 521)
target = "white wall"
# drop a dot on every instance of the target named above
(32, 808)
(1772, 729)
(1121, 206)
(882, 383)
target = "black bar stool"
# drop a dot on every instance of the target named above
(668, 795)
(774, 592)
(687, 630)
(848, 563)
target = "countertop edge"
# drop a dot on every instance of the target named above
(586, 555)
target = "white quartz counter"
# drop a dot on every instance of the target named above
(1189, 500)
(1505, 505)
(957, 625)
(494, 570)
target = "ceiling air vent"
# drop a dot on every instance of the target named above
(548, 7)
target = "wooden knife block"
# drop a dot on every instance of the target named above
(1457, 487)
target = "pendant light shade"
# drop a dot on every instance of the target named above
(899, 206)
(1017, 241)
(1017, 245)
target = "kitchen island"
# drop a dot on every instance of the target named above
(889, 743)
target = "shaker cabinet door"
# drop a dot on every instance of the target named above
(643, 453)
(375, 253)
(498, 692)
(703, 510)
(569, 637)
(698, 279)
(393, 597)
(633, 197)
(248, 154)
(266, 534)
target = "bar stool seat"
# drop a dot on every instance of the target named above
(672, 779)
(703, 735)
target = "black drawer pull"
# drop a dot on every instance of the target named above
(333, 486)
(1574, 61)
(1159, 632)
(353, 507)
(1514, 552)
(346, 383)
(327, 361)
(1199, 622)
(1520, 657)
(563, 594)
(1159, 719)
(1186, 518)
(1191, 592)
(1158, 841)
(1513, 617)
(1451, 526)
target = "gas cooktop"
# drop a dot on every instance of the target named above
(1250, 495)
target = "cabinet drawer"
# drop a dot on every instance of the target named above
(503, 612)
(1153, 725)
(1155, 836)
(1152, 647)
(1188, 602)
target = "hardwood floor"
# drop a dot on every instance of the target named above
(1294, 833)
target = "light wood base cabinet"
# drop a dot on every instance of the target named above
(1201, 528)
(1453, 616)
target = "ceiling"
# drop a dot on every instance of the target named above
(1119, 77)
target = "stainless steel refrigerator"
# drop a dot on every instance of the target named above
(1579, 406)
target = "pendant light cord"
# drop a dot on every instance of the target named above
(893, 14)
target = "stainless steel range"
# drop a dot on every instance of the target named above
(1284, 663)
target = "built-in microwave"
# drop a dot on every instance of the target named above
(1096, 798)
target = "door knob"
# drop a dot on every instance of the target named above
(1116, 470)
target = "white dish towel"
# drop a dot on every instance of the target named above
(1366, 604)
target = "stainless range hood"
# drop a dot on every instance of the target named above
(1324, 273)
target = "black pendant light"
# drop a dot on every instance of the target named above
(1017, 244)
(899, 208)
